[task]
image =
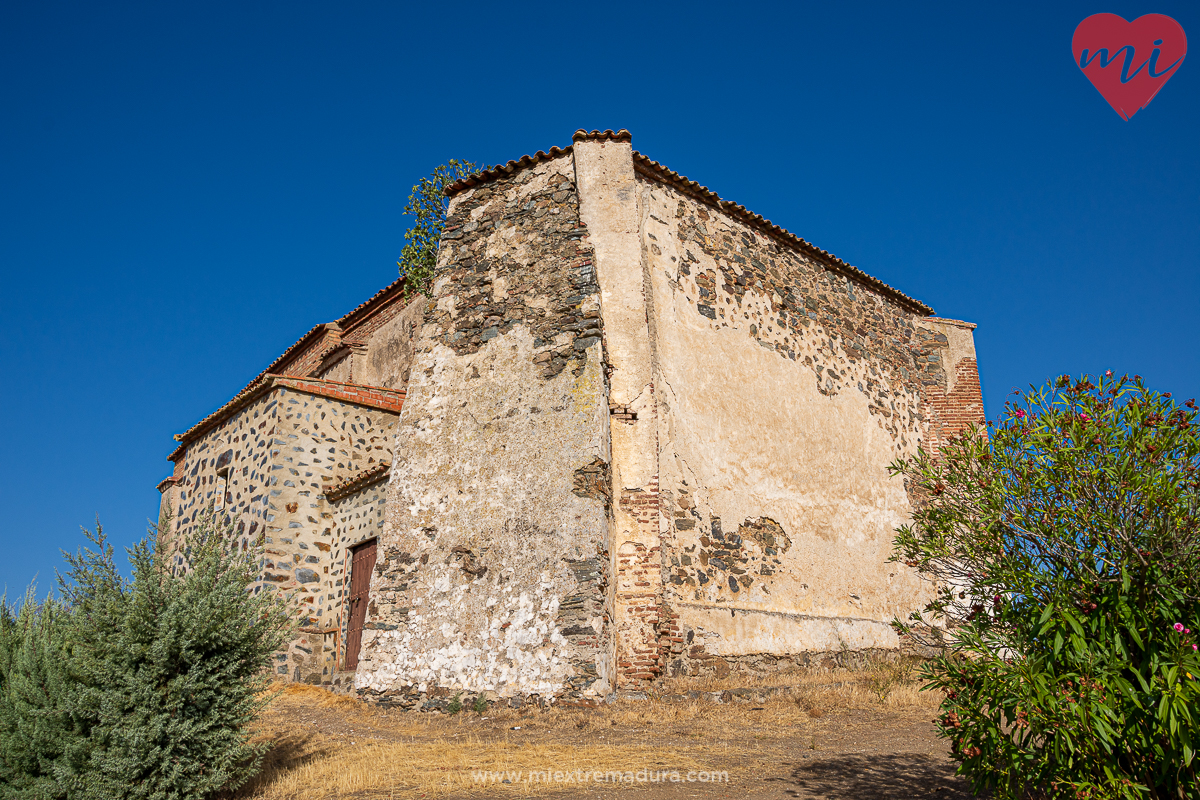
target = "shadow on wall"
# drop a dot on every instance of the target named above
(902, 776)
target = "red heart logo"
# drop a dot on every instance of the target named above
(1128, 62)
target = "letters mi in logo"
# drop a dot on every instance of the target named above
(1128, 62)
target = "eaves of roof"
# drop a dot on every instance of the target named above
(284, 357)
(502, 170)
(168, 481)
(371, 305)
(354, 317)
(367, 396)
(356, 482)
(653, 169)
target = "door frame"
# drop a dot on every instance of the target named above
(351, 599)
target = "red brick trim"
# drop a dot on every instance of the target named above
(357, 482)
(166, 482)
(277, 366)
(950, 413)
(359, 394)
(378, 301)
(368, 396)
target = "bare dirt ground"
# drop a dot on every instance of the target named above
(829, 736)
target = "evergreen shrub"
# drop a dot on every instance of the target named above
(141, 687)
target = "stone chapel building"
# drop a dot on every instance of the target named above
(637, 431)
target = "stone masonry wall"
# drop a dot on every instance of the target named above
(492, 574)
(358, 514)
(376, 349)
(784, 388)
(282, 451)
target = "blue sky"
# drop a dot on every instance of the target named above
(185, 189)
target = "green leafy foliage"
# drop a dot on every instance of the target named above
(141, 687)
(1065, 545)
(427, 206)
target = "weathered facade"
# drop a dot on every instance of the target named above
(644, 432)
(279, 458)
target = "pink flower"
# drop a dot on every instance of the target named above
(1019, 413)
(1085, 418)
(1178, 626)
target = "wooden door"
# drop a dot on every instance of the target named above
(362, 562)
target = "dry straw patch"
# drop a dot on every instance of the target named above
(890, 684)
(435, 768)
(328, 746)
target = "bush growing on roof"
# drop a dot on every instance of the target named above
(1066, 550)
(427, 206)
(141, 687)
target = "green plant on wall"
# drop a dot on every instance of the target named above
(427, 206)
(1065, 546)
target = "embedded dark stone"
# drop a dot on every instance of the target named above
(305, 575)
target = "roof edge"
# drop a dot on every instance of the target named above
(362, 480)
(369, 306)
(653, 169)
(377, 397)
(601, 136)
(504, 170)
(958, 323)
(169, 480)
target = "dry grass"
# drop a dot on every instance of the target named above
(328, 746)
(889, 684)
(433, 768)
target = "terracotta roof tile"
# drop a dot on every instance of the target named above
(657, 171)
(609, 135)
(312, 333)
(355, 482)
(358, 394)
(347, 321)
(501, 170)
(171, 481)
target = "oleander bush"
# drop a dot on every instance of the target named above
(141, 687)
(1065, 545)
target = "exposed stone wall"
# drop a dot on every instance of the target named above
(267, 468)
(784, 389)
(357, 518)
(492, 573)
(244, 494)
(388, 346)
(645, 433)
